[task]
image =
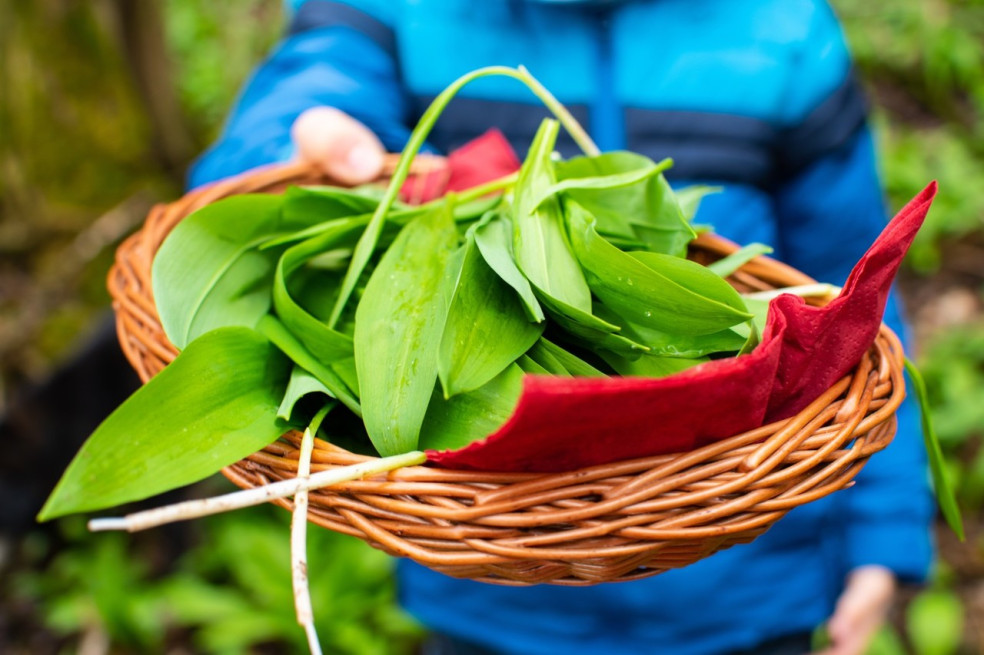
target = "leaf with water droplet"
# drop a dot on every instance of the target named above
(398, 326)
(486, 328)
(667, 293)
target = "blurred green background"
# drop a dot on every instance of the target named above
(102, 105)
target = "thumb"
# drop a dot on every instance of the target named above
(341, 146)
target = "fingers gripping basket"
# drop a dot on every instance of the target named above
(606, 523)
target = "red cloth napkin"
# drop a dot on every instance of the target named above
(481, 160)
(561, 424)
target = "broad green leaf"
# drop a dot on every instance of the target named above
(663, 227)
(345, 369)
(531, 366)
(728, 265)
(312, 205)
(300, 385)
(546, 360)
(650, 366)
(676, 296)
(666, 344)
(398, 327)
(937, 464)
(696, 278)
(467, 417)
(281, 337)
(539, 242)
(208, 273)
(486, 328)
(213, 405)
(935, 621)
(325, 343)
(492, 238)
(589, 329)
(688, 345)
(646, 210)
(605, 181)
(211, 271)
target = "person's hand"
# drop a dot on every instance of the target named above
(343, 147)
(860, 610)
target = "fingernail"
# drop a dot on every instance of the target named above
(364, 162)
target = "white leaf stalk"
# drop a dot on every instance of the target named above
(298, 546)
(819, 290)
(193, 509)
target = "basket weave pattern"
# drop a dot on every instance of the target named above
(606, 523)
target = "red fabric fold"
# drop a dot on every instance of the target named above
(562, 424)
(481, 160)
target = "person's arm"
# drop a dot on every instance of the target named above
(831, 209)
(337, 54)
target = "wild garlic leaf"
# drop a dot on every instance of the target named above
(216, 403)
(325, 343)
(589, 329)
(281, 337)
(465, 418)
(697, 279)
(571, 362)
(646, 210)
(531, 366)
(688, 345)
(486, 328)
(650, 366)
(604, 181)
(208, 273)
(312, 205)
(677, 345)
(492, 236)
(301, 384)
(398, 328)
(547, 361)
(213, 271)
(539, 242)
(662, 292)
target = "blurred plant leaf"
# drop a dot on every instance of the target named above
(934, 622)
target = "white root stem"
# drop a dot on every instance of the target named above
(258, 495)
(803, 291)
(298, 549)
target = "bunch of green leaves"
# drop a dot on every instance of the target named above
(419, 322)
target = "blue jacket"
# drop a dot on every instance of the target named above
(755, 95)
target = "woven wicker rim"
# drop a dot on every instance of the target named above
(617, 521)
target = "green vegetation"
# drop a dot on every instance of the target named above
(230, 597)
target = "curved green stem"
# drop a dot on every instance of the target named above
(370, 237)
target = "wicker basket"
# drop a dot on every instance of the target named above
(606, 523)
